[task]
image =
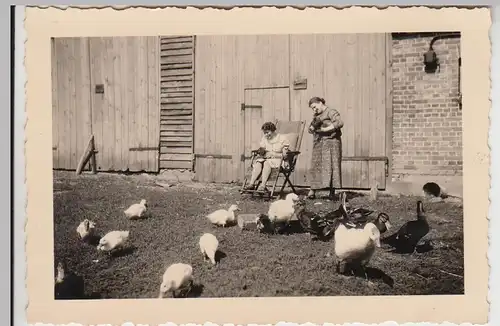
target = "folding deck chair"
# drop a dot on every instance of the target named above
(293, 130)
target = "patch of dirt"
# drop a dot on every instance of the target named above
(254, 265)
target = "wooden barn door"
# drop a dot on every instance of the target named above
(125, 102)
(262, 105)
(71, 116)
(266, 81)
(350, 72)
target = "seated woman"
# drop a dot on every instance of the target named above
(276, 146)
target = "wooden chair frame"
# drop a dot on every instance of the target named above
(284, 171)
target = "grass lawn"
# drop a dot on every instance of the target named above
(254, 264)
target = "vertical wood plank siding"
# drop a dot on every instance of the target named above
(71, 108)
(348, 70)
(177, 109)
(124, 119)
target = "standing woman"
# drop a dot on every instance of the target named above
(325, 172)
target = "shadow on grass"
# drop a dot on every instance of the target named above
(219, 255)
(281, 230)
(406, 249)
(377, 274)
(196, 291)
(124, 252)
(373, 274)
(93, 240)
(144, 217)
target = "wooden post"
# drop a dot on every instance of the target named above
(87, 155)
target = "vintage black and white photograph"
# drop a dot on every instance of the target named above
(276, 165)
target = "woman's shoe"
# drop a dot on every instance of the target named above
(262, 189)
(249, 187)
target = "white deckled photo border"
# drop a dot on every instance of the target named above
(43, 23)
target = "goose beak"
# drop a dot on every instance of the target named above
(388, 225)
(377, 242)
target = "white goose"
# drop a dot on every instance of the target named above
(177, 277)
(113, 240)
(281, 210)
(136, 210)
(355, 245)
(86, 229)
(208, 246)
(223, 217)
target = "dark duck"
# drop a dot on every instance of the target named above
(359, 216)
(407, 238)
(312, 223)
(68, 285)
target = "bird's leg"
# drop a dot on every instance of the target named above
(342, 267)
(190, 286)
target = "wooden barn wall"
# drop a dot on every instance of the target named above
(177, 90)
(225, 66)
(124, 117)
(348, 70)
(71, 101)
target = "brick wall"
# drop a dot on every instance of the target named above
(427, 118)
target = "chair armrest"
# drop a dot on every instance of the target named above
(293, 153)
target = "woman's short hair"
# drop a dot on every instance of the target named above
(316, 99)
(269, 126)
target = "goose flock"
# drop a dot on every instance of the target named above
(354, 234)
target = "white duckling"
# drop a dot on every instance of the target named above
(355, 245)
(223, 217)
(86, 229)
(208, 246)
(281, 210)
(177, 276)
(113, 240)
(136, 210)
